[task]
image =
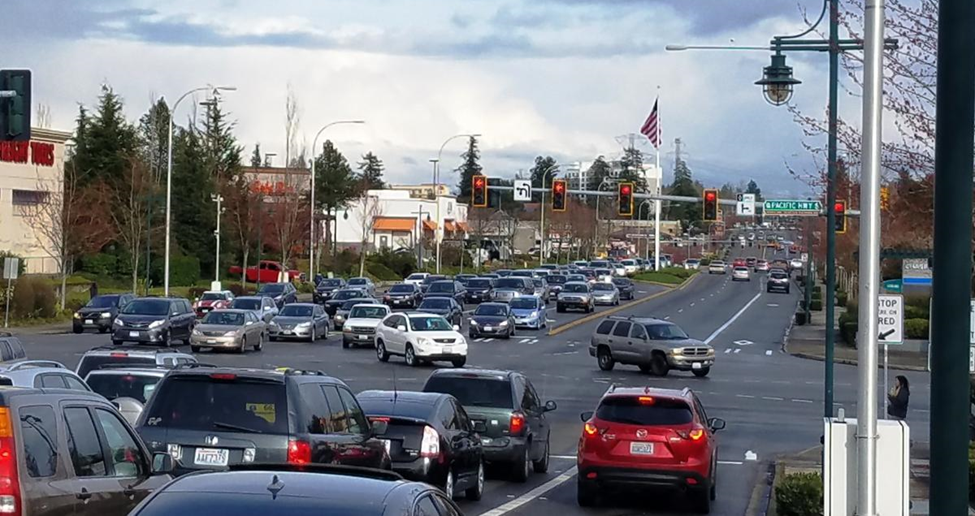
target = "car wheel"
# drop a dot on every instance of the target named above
(559, 308)
(411, 357)
(658, 365)
(260, 343)
(644, 368)
(787, 291)
(605, 359)
(475, 493)
(448, 485)
(345, 344)
(77, 329)
(273, 338)
(702, 501)
(519, 469)
(313, 337)
(702, 372)
(541, 465)
(196, 349)
(168, 340)
(507, 334)
(459, 362)
(585, 494)
(381, 353)
(243, 346)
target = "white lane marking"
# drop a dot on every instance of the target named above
(566, 353)
(733, 319)
(746, 396)
(768, 352)
(563, 457)
(738, 351)
(522, 341)
(773, 305)
(744, 342)
(702, 299)
(727, 351)
(692, 304)
(489, 340)
(534, 341)
(751, 456)
(772, 398)
(667, 318)
(730, 462)
(679, 310)
(533, 494)
(802, 401)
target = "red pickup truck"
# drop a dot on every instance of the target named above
(268, 271)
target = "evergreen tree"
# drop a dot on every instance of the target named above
(335, 182)
(109, 140)
(256, 159)
(631, 169)
(754, 189)
(371, 172)
(598, 171)
(193, 212)
(223, 154)
(687, 213)
(543, 165)
(470, 168)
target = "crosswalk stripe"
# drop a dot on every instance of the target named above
(489, 340)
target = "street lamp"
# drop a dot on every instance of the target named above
(311, 229)
(438, 235)
(169, 174)
(777, 81)
(596, 229)
(220, 209)
(639, 211)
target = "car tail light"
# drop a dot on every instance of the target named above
(517, 424)
(299, 452)
(430, 445)
(590, 429)
(119, 355)
(223, 376)
(696, 434)
(9, 478)
(645, 400)
(379, 419)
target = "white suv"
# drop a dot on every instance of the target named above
(360, 327)
(420, 338)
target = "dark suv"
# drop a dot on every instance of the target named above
(447, 288)
(154, 320)
(70, 452)
(100, 312)
(506, 412)
(282, 293)
(209, 417)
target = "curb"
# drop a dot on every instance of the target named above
(596, 315)
(761, 497)
(845, 361)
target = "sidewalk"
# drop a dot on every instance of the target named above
(809, 341)
(40, 329)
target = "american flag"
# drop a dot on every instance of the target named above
(651, 128)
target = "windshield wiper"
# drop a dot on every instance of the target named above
(228, 426)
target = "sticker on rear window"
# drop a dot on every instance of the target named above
(264, 411)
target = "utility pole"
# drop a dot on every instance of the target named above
(830, 297)
(419, 235)
(217, 198)
(953, 249)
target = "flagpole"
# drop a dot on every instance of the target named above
(656, 204)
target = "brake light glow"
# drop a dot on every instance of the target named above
(645, 400)
(119, 355)
(9, 479)
(223, 376)
(590, 429)
(430, 445)
(299, 452)
(517, 423)
(696, 434)
(378, 419)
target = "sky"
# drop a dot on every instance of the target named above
(566, 78)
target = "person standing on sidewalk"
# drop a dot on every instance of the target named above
(93, 290)
(898, 398)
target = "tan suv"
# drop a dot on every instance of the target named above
(654, 345)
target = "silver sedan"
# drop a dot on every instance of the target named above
(229, 329)
(300, 321)
(605, 294)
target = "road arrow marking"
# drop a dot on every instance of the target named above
(768, 353)
(738, 350)
(744, 342)
(727, 351)
(751, 456)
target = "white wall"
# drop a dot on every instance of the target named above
(395, 203)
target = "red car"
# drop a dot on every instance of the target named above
(739, 262)
(642, 438)
(212, 300)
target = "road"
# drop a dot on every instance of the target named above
(771, 401)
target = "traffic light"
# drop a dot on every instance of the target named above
(626, 199)
(839, 214)
(479, 192)
(884, 198)
(15, 105)
(559, 193)
(710, 204)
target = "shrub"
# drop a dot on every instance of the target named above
(800, 494)
(45, 300)
(381, 272)
(21, 264)
(916, 328)
(194, 292)
(915, 312)
(239, 290)
(848, 331)
(841, 298)
(816, 305)
(22, 300)
(403, 264)
(184, 271)
(33, 297)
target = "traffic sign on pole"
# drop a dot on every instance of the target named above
(523, 190)
(793, 208)
(890, 319)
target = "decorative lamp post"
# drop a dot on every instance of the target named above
(777, 81)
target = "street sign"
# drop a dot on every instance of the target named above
(890, 319)
(746, 205)
(804, 257)
(523, 190)
(10, 267)
(894, 286)
(916, 271)
(793, 207)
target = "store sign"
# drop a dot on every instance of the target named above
(35, 153)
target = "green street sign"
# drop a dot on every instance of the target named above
(894, 285)
(793, 207)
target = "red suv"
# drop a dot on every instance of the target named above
(646, 437)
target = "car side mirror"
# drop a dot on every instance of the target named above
(479, 426)
(162, 463)
(716, 424)
(456, 328)
(550, 406)
(401, 328)
(585, 416)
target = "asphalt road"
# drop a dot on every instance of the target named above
(772, 402)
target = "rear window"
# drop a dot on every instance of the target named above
(435, 303)
(556, 279)
(446, 286)
(405, 289)
(778, 275)
(604, 327)
(113, 386)
(576, 288)
(510, 283)
(91, 362)
(232, 503)
(246, 304)
(147, 307)
(479, 283)
(473, 392)
(632, 410)
(206, 404)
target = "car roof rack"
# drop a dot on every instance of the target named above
(33, 364)
(194, 365)
(374, 473)
(294, 371)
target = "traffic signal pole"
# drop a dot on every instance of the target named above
(830, 298)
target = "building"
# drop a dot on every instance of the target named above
(577, 175)
(423, 190)
(278, 180)
(31, 175)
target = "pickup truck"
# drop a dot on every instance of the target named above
(268, 271)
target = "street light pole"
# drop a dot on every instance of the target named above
(596, 229)
(438, 233)
(169, 175)
(639, 212)
(219, 200)
(829, 298)
(311, 229)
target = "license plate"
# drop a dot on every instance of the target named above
(133, 334)
(211, 341)
(286, 332)
(448, 349)
(696, 365)
(641, 448)
(211, 457)
(488, 328)
(89, 321)
(363, 337)
(396, 302)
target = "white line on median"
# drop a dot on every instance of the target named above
(730, 462)
(533, 494)
(772, 398)
(733, 319)
(727, 351)
(563, 457)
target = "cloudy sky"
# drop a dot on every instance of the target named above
(559, 77)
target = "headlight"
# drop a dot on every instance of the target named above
(273, 324)
(305, 325)
(474, 322)
(118, 322)
(711, 352)
(197, 332)
(503, 324)
(677, 351)
(423, 341)
(77, 315)
(230, 333)
(106, 314)
(156, 324)
(346, 329)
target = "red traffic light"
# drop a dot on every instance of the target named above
(625, 190)
(710, 196)
(839, 207)
(559, 186)
(479, 182)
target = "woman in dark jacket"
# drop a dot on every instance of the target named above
(898, 398)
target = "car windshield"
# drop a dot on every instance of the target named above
(717, 263)
(212, 296)
(473, 392)
(102, 302)
(209, 404)
(368, 312)
(576, 287)
(430, 324)
(598, 264)
(246, 304)
(445, 286)
(224, 318)
(402, 289)
(604, 286)
(344, 295)
(352, 302)
(490, 311)
(522, 274)
(435, 303)
(147, 307)
(778, 275)
(272, 289)
(741, 269)
(415, 277)
(330, 283)
(556, 279)
(603, 272)
(430, 279)
(524, 302)
(538, 282)
(665, 332)
(576, 277)
(358, 281)
(514, 283)
(621, 282)
(644, 411)
(479, 283)
(296, 311)
(115, 385)
(629, 262)
(91, 362)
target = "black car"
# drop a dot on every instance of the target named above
(503, 273)
(154, 320)
(425, 284)
(447, 288)
(100, 312)
(464, 278)
(403, 295)
(555, 282)
(281, 293)
(325, 289)
(443, 306)
(297, 491)
(209, 417)
(507, 413)
(626, 287)
(431, 439)
(479, 290)
(492, 319)
(340, 297)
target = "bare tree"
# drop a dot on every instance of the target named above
(370, 210)
(130, 198)
(289, 204)
(243, 204)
